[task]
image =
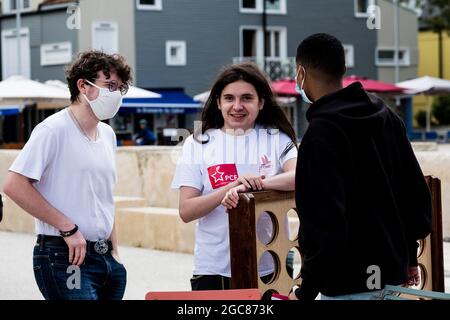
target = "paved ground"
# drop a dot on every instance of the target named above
(148, 270)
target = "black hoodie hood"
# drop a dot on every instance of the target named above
(352, 107)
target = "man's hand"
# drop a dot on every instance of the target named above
(413, 276)
(116, 257)
(292, 295)
(77, 248)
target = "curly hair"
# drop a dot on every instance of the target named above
(88, 63)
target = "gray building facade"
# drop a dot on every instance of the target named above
(50, 43)
(212, 31)
(181, 44)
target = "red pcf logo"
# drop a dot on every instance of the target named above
(222, 174)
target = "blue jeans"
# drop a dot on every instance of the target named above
(100, 277)
(370, 295)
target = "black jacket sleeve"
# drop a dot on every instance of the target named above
(321, 202)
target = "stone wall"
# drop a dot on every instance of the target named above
(147, 172)
(143, 191)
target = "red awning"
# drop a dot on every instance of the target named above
(287, 87)
(372, 85)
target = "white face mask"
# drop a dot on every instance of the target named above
(107, 104)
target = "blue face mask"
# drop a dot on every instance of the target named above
(300, 89)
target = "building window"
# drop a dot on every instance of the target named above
(361, 7)
(256, 6)
(249, 43)
(15, 4)
(176, 53)
(349, 55)
(252, 43)
(275, 42)
(105, 36)
(10, 6)
(249, 5)
(56, 53)
(10, 55)
(149, 4)
(386, 57)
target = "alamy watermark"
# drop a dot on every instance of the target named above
(228, 146)
(74, 19)
(74, 280)
(374, 280)
(374, 17)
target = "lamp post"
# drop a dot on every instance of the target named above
(264, 27)
(396, 41)
(18, 26)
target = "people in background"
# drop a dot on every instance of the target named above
(144, 136)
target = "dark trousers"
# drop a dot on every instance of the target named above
(216, 282)
(100, 277)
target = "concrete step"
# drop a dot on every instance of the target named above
(128, 202)
(17, 220)
(14, 218)
(155, 228)
(137, 225)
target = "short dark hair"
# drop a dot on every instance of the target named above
(88, 63)
(324, 53)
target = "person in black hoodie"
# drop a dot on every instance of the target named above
(361, 196)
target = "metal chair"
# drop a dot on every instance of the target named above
(403, 293)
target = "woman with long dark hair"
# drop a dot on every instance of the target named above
(246, 143)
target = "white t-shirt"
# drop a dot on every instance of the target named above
(215, 164)
(75, 175)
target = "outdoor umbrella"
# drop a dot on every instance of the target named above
(133, 92)
(427, 86)
(131, 96)
(372, 85)
(202, 97)
(23, 91)
(287, 87)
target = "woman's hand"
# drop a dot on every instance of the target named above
(251, 181)
(231, 198)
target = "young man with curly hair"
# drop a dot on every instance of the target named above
(64, 177)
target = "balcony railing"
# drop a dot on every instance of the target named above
(275, 68)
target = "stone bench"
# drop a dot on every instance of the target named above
(155, 228)
(137, 225)
(17, 220)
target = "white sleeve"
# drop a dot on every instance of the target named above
(114, 146)
(286, 142)
(188, 171)
(37, 153)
